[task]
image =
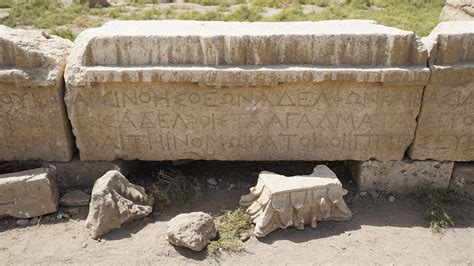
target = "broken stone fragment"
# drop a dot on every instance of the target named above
(115, 201)
(279, 201)
(75, 198)
(28, 193)
(191, 230)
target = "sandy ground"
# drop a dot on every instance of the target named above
(379, 233)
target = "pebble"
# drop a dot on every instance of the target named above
(231, 186)
(73, 211)
(212, 181)
(22, 222)
(363, 193)
(84, 245)
(34, 221)
(244, 236)
(373, 193)
(59, 216)
(66, 216)
(391, 199)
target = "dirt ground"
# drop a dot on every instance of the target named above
(380, 232)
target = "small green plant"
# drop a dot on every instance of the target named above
(171, 187)
(437, 212)
(230, 225)
(64, 33)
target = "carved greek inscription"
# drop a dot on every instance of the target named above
(171, 120)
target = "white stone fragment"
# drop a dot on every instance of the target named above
(279, 201)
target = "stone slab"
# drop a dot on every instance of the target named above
(462, 180)
(33, 120)
(404, 176)
(245, 91)
(28, 193)
(445, 128)
(77, 173)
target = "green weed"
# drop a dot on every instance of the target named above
(437, 212)
(230, 225)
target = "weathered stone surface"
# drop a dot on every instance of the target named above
(462, 180)
(77, 173)
(33, 121)
(170, 90)
(445, 130)
(28, 193)
(404, 176)
(191, 230)
(115, 201)
(279, 201)
(75, 198)
(458, 10)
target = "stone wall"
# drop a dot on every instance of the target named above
(170, 90)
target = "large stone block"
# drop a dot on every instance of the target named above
(462, 180)
(33, 120)
(168, 90)
(28, 193)
(446, 123)
(77, 173)
(404, 176)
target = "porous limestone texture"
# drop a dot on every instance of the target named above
(403, 177)
(115, 201)
(445, 129)
(170, 90)
(458, 10)
(28, 194)
(33, 121)
(77, 173)
(279, 201)
(191, 230)
(462, 180)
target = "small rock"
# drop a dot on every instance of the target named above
(116, 201)
(245, 236)
(348, 233)
(373, 193)
(22, 222)
(34, 221)
(212, 181)
(84, 245)
(391, 199)
(363, 193)
(75, 198)
(66, 216)
(59, 216)
(191, 230)
(73, 211)
(231, 186)
(4, 14)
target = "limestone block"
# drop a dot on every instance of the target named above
(28, 193)
(462, 180)
(115, 201)
(445, 129)
(458, 10)
(404, 176)
(279, 201)
(77, 173)
(191, 230)
(33, 121)
(170, 90)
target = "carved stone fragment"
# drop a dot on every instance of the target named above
(116, 201)
(279, 201)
